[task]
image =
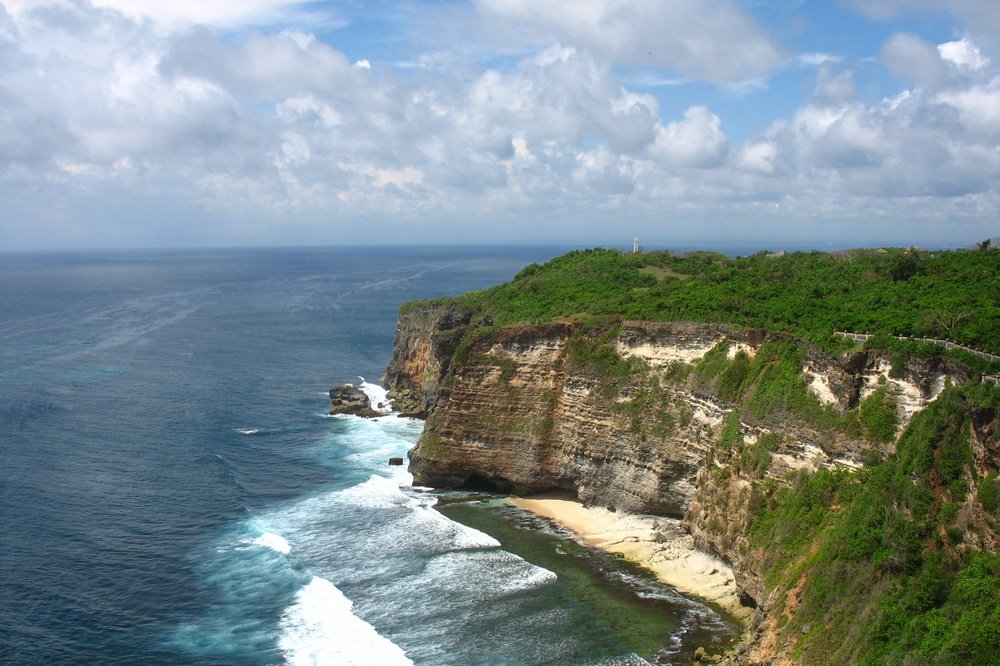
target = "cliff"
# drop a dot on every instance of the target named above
(697, 421)
(617, 419)
(426, 338)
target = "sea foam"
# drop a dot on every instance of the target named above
(377, 395)
(319, 628)
(275, 542)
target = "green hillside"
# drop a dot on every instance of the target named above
(952, 295)
(895, 563)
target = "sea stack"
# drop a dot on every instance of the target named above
(349, 399)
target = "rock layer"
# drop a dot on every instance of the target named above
(528, 408)
(426, 338)
(514, 410)
(518, 414)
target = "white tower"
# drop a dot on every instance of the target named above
(635, 246)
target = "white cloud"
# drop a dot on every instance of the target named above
(817, 59)
(695, 141)
(919, 143)
(758, 156)
(307, 106)
(715, 41)
(271, 133)
(834, 89)
(182, 13)
(978, 108)
(964, 54)
(218, 12)
(563, 95)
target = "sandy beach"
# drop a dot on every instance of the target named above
(640, 538)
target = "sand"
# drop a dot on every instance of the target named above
(653, 542)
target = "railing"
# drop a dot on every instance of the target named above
(947, 344)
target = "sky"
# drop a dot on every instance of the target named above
(144, 123)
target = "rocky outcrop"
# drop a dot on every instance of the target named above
(349, 399)
(426, 338)
(661, 344)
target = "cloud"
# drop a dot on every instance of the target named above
(116, 130)
(964, 54)
(693, 38)
(817, 59)
(977, 16)
(833, 87)
(757, 156)
(695, 141)
(265, 66)
(920, 143)
(563, 95)
(228, 14)
(978, 109)
(909, 57)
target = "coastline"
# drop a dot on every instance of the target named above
(653, 542)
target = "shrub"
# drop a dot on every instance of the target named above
(877, 414)
(731, 434)
(987, 494)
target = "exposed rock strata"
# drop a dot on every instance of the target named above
(518, 412)
(426, 338)
(518, 415)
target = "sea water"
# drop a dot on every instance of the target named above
(172, 491)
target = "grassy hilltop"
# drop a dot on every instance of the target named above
(953, 295)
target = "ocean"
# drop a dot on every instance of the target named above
(173, 492)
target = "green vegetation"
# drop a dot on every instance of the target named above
(989, 493)
(768, 386)
(731, 435)
(756, 459)
(878, 566)
(877, 414)
(432, 446)
(951, 295)
(876, 555)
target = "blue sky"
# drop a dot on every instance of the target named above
(138, 123)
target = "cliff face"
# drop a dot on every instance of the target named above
(524, 409)
(629, 417)
(520, 413)
(426, 338)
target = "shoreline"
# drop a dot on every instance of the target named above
(653, 542)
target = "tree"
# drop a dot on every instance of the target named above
(906, 266)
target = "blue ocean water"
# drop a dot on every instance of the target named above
(171, 490)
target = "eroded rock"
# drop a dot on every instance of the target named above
(349, 399)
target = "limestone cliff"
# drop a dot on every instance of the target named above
(520, 411)
(426, 338)
(638, 416)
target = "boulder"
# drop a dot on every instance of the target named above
(395, 461)
(349, 399)
(701, 656)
